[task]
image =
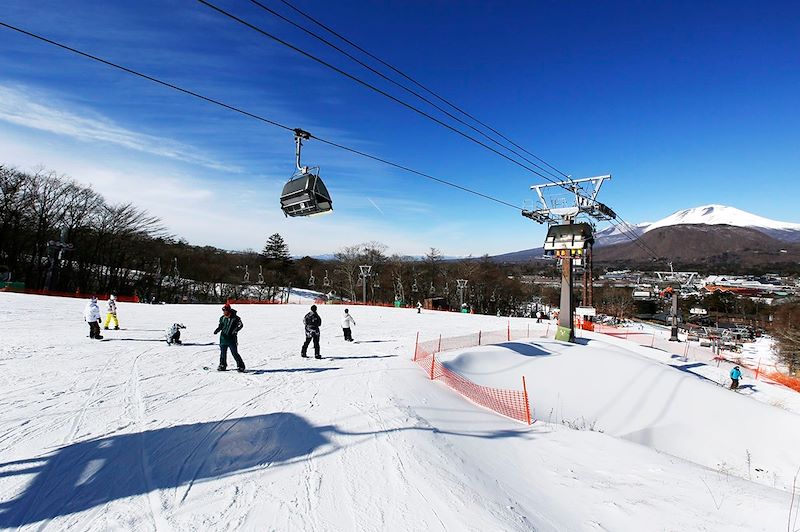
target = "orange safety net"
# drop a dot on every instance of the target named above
(510, 403)
(78, 295)
(786, 380)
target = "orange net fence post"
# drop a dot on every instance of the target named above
(416, 346)
(527, 404)
(510, 403)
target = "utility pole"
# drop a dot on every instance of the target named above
(568, 240)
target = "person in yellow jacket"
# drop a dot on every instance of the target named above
(111, 313)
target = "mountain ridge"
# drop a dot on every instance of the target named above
(712, 216)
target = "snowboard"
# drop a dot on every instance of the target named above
(207, 368)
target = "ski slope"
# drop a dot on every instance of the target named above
(131, 434)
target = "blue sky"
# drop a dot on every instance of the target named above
(684, 103)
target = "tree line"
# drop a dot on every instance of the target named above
(59, 235)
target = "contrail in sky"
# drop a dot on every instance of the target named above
(373, 204)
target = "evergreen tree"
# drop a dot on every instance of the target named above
(276, 250)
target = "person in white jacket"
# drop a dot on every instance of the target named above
(92, 316)
(347, 321)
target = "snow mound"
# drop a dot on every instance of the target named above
(603, 387)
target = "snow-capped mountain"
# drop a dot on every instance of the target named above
(704, 215)
(724, 215)
(618, 234)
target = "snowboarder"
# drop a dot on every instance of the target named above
(736, 374)
(173, 334)
(111, 313)
(347, 321)
(92, 316)
(229, 326)
(419, 307)
(538, 316)
(312, 323)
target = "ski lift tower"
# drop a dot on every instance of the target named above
(566, 239)
(675, 282)
(364, 275)
(56, 250)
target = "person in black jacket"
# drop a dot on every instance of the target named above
(312, 322)
(229, 326)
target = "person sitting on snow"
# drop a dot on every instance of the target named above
(173, 334)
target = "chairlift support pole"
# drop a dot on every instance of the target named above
(582, 237)
(299, 137)
(365, 271)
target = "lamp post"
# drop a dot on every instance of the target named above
(365, 271)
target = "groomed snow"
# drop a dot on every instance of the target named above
(131, 434)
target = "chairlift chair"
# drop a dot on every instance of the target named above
(305, 193)
(311, 280)
(325, 280)
(432, 290)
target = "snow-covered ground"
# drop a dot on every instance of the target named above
(131, 434)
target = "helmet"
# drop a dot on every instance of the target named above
(112, 297)
(226, 307)
(313, 307)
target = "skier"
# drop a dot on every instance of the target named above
(736, 374)
(419, 307)
(229, 326)
(173, 334)
(312, 323)
(111, 313)
(538, 316)
(92, 316)
(347, 321)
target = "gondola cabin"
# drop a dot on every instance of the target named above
(305, 195)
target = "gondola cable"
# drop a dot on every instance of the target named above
(372, 87)
(251, 115)
(417, 83)
(390, 80)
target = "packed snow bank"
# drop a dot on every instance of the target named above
(598, 386)
(131, 434)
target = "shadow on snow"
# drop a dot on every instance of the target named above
(91, 473)
(94, 472)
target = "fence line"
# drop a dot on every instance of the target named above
(510, 403)
(696, 352)
(75, 295)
